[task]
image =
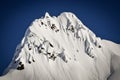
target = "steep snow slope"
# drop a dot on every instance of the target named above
(62, 48)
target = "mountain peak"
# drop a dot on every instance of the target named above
(47, 15)
(49, 35)
(59, 48)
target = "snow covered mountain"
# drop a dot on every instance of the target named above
(63, 48)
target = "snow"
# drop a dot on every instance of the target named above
(63, 48)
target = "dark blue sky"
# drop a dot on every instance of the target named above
(101, 16)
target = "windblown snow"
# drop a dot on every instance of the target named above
(63, 48)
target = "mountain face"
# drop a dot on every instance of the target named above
(63, 48)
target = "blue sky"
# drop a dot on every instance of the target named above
(101, 16)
